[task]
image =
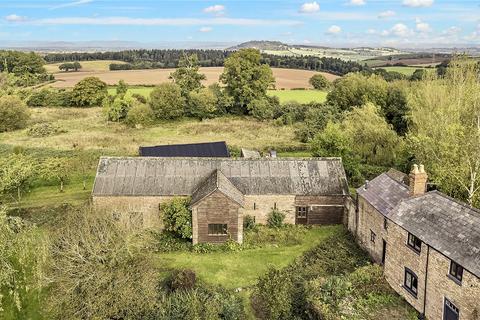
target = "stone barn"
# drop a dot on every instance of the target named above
(222, 191)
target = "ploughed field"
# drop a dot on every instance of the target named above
(285, 78)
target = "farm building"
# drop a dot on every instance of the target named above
(223, 191)
(204, 149)
(428, 243)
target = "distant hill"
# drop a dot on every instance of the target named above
(261, 45)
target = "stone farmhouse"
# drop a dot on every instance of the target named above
(427, 242)
(223, 191)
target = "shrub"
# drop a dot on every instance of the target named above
(140, 98)
(182, 280)
(44, 130)
(14, 113)
(261, 109)
(248, 223)
(177, 217)
(275, 219)
(169, 242)
(271, 297)
(319, 82)
(167, 102)
(117, 110)
(202, 104)
(89, 92)
(140, 115)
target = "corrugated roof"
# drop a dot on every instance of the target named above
(217, 181)
(384, 193)
(449, 226)
(150, 176)
(205, 149)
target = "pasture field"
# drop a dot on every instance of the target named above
(407, 71)
(285, 78)
(92, 66)
(300, 96)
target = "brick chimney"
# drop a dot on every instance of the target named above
(418, 180)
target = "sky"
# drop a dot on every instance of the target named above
(395, 23)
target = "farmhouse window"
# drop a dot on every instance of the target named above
(217, 229)
(372, 236)
(414, 243)
(302, 212)
(411, 282)
(456, 271)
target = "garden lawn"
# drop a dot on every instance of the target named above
(300, 96)
(242, 268)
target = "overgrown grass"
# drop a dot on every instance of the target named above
(242, 268)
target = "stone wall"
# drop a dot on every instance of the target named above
(216, 209)
(259, 206)
(464, 295)
(369, 219)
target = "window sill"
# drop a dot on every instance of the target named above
(454, 279)
(413, 249)
(413, 294)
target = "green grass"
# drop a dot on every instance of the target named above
(300, 96)
(241, 269)
(144, 91)
(95, 65)
(408, 71)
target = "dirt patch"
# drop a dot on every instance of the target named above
(285, 78)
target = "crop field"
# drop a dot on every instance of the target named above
(285, 78)
(95, 65)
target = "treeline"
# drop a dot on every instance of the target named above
(157, 59)
(24, 68)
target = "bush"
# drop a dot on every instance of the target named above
(167, 102)
(275, 219)
(117, 110)
(139, 97)
(271, 297)
(248, 223)
(287, 236)
(169, 242)
(89, 92)
(182, 280)
(44, 130)
(177, 217)
(261, 109)
(319, 82)
(202, 104)
(14, 113)
(140, 115)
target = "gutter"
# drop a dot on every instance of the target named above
(425, 285)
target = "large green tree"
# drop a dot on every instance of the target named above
(246, 78)
(187, 75)
(167, 102)
(89, 92)
(445, 131)
(16, 174)
(14, 114)
(319, 82)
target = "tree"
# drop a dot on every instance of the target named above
(418, 75)
(117, 110)
(246, 78)
(167, 102)
(14, 113)
(355, 90)
(396, 108)
(186, 76)
(57, 169)
(77, 65)
(99, 269)
(177, 217)
(89, 92)
(139, 115)
(445, 133)
(261, 109)
(316, 119)
(16, 174)
(319, 82)
(202, 104)
(121, 89)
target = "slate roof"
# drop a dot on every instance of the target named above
(217, 181)
(206, 149)
(449, 226)
(398, 175)
(151, 176)
(384, 193)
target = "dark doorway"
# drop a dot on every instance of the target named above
(450, 311)
(384, 251)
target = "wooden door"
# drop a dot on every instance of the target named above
(301, 215)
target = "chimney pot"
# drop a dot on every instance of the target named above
(418, 181)
(366, 184)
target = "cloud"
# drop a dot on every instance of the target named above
(398, 30)
(310, 7)
(15, 18)
(205, 29)
(418, 3)
(422, 27)
(357, 2)
(127, 21)
(386, 14)
(334, 29)
(371, 31)
(217, 9)
(452, 31)
(71, 4)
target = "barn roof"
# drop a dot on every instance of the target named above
(384, 193)
(151, 176)
(449, 226)
(217, 181)
(204, 149)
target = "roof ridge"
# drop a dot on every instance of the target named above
(462, 203)
(401, 184)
